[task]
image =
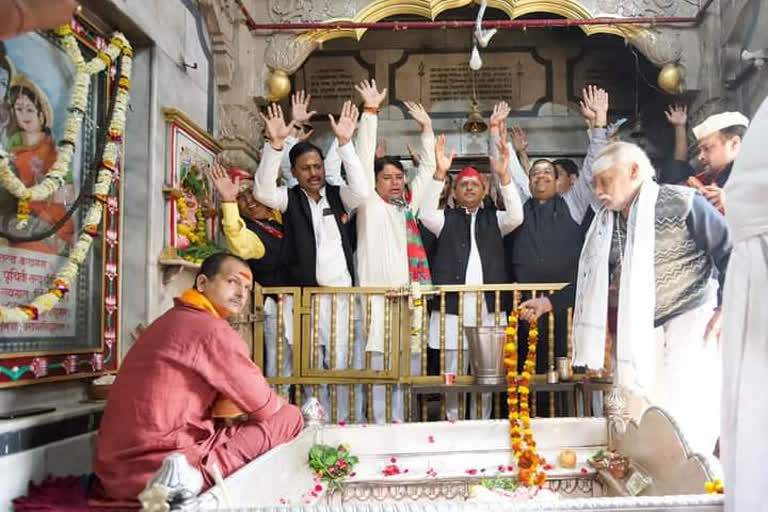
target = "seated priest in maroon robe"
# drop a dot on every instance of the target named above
(166, 388)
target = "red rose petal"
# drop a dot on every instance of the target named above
(393, 460)
(351, 475)
(584, 471)
(510, 468)
(314, 494)
(431, 439)
(547, 467)
(342, 423)
(318, 488)
(471, 471)
(501, 469)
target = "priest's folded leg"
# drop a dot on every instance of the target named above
(246, 441)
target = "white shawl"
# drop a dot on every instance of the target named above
(637, 294)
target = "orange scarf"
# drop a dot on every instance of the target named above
(197, 300)
(223, 407)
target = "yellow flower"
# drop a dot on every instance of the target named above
(716, 486)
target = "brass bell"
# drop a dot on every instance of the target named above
(671, 78)
(278, 85)
(475, 122)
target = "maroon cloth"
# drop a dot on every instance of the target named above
(64, 494)
(162, 398)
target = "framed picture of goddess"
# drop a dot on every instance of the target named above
(78, 336)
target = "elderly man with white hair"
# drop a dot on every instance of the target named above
(640, 230)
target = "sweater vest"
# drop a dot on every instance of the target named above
(300, 245)
(683, 271)
(451, 255)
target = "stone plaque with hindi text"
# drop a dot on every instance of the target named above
(444, 83)
(331, 79)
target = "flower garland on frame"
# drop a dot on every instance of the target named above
(518, 395)
(119, 46)
(55, 177)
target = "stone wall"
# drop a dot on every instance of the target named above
(166, 35)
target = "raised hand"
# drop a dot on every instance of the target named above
(442, 160)
(677, 115)
(500, 165)
(421, 116)
(596, 101)
(381, 149)
(414, 155)
(519, 139)
(304, 136)
(499, 114)
(371, 95)
(275, 127)
(300, 107)
(225, 186)
(347, 123)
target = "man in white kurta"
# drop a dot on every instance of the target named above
(330, 267)
(743, 444)
(382, 234)
(469, 202)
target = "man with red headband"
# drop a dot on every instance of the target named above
(469, 250)
(170, 379)
(255, 233)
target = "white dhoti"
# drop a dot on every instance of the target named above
(688, 376)
(744, 422)
(270, 337)
(342, 346)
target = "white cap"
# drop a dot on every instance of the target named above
(719, 121)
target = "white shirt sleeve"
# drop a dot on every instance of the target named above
(429, 213)
(265, 188)
(425, 171)
(512, 216)
(357, 190)
(333, 165)
(580, 196)
(366, 145)
(285, 163)
(516, 172)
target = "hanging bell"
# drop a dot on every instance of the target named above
(475, 122)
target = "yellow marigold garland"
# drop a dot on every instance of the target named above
(54, 178)
(56, 175)
(527, 459)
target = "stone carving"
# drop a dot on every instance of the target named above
(659, 46)
(635, 8)
(617, 412)
(287, 52)
(220, 19)
(310, 10)
(240, 128)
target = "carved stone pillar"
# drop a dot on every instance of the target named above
(239, 127)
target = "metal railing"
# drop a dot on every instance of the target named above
(331, 326)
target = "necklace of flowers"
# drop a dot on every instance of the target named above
(119, 46)
(518, 394)
(56, 176)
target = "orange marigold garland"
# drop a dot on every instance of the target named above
(518, 399)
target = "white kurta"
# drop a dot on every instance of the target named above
(744, 423)
(382, 248)
(434, 219)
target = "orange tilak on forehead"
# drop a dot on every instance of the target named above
(246, 275)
